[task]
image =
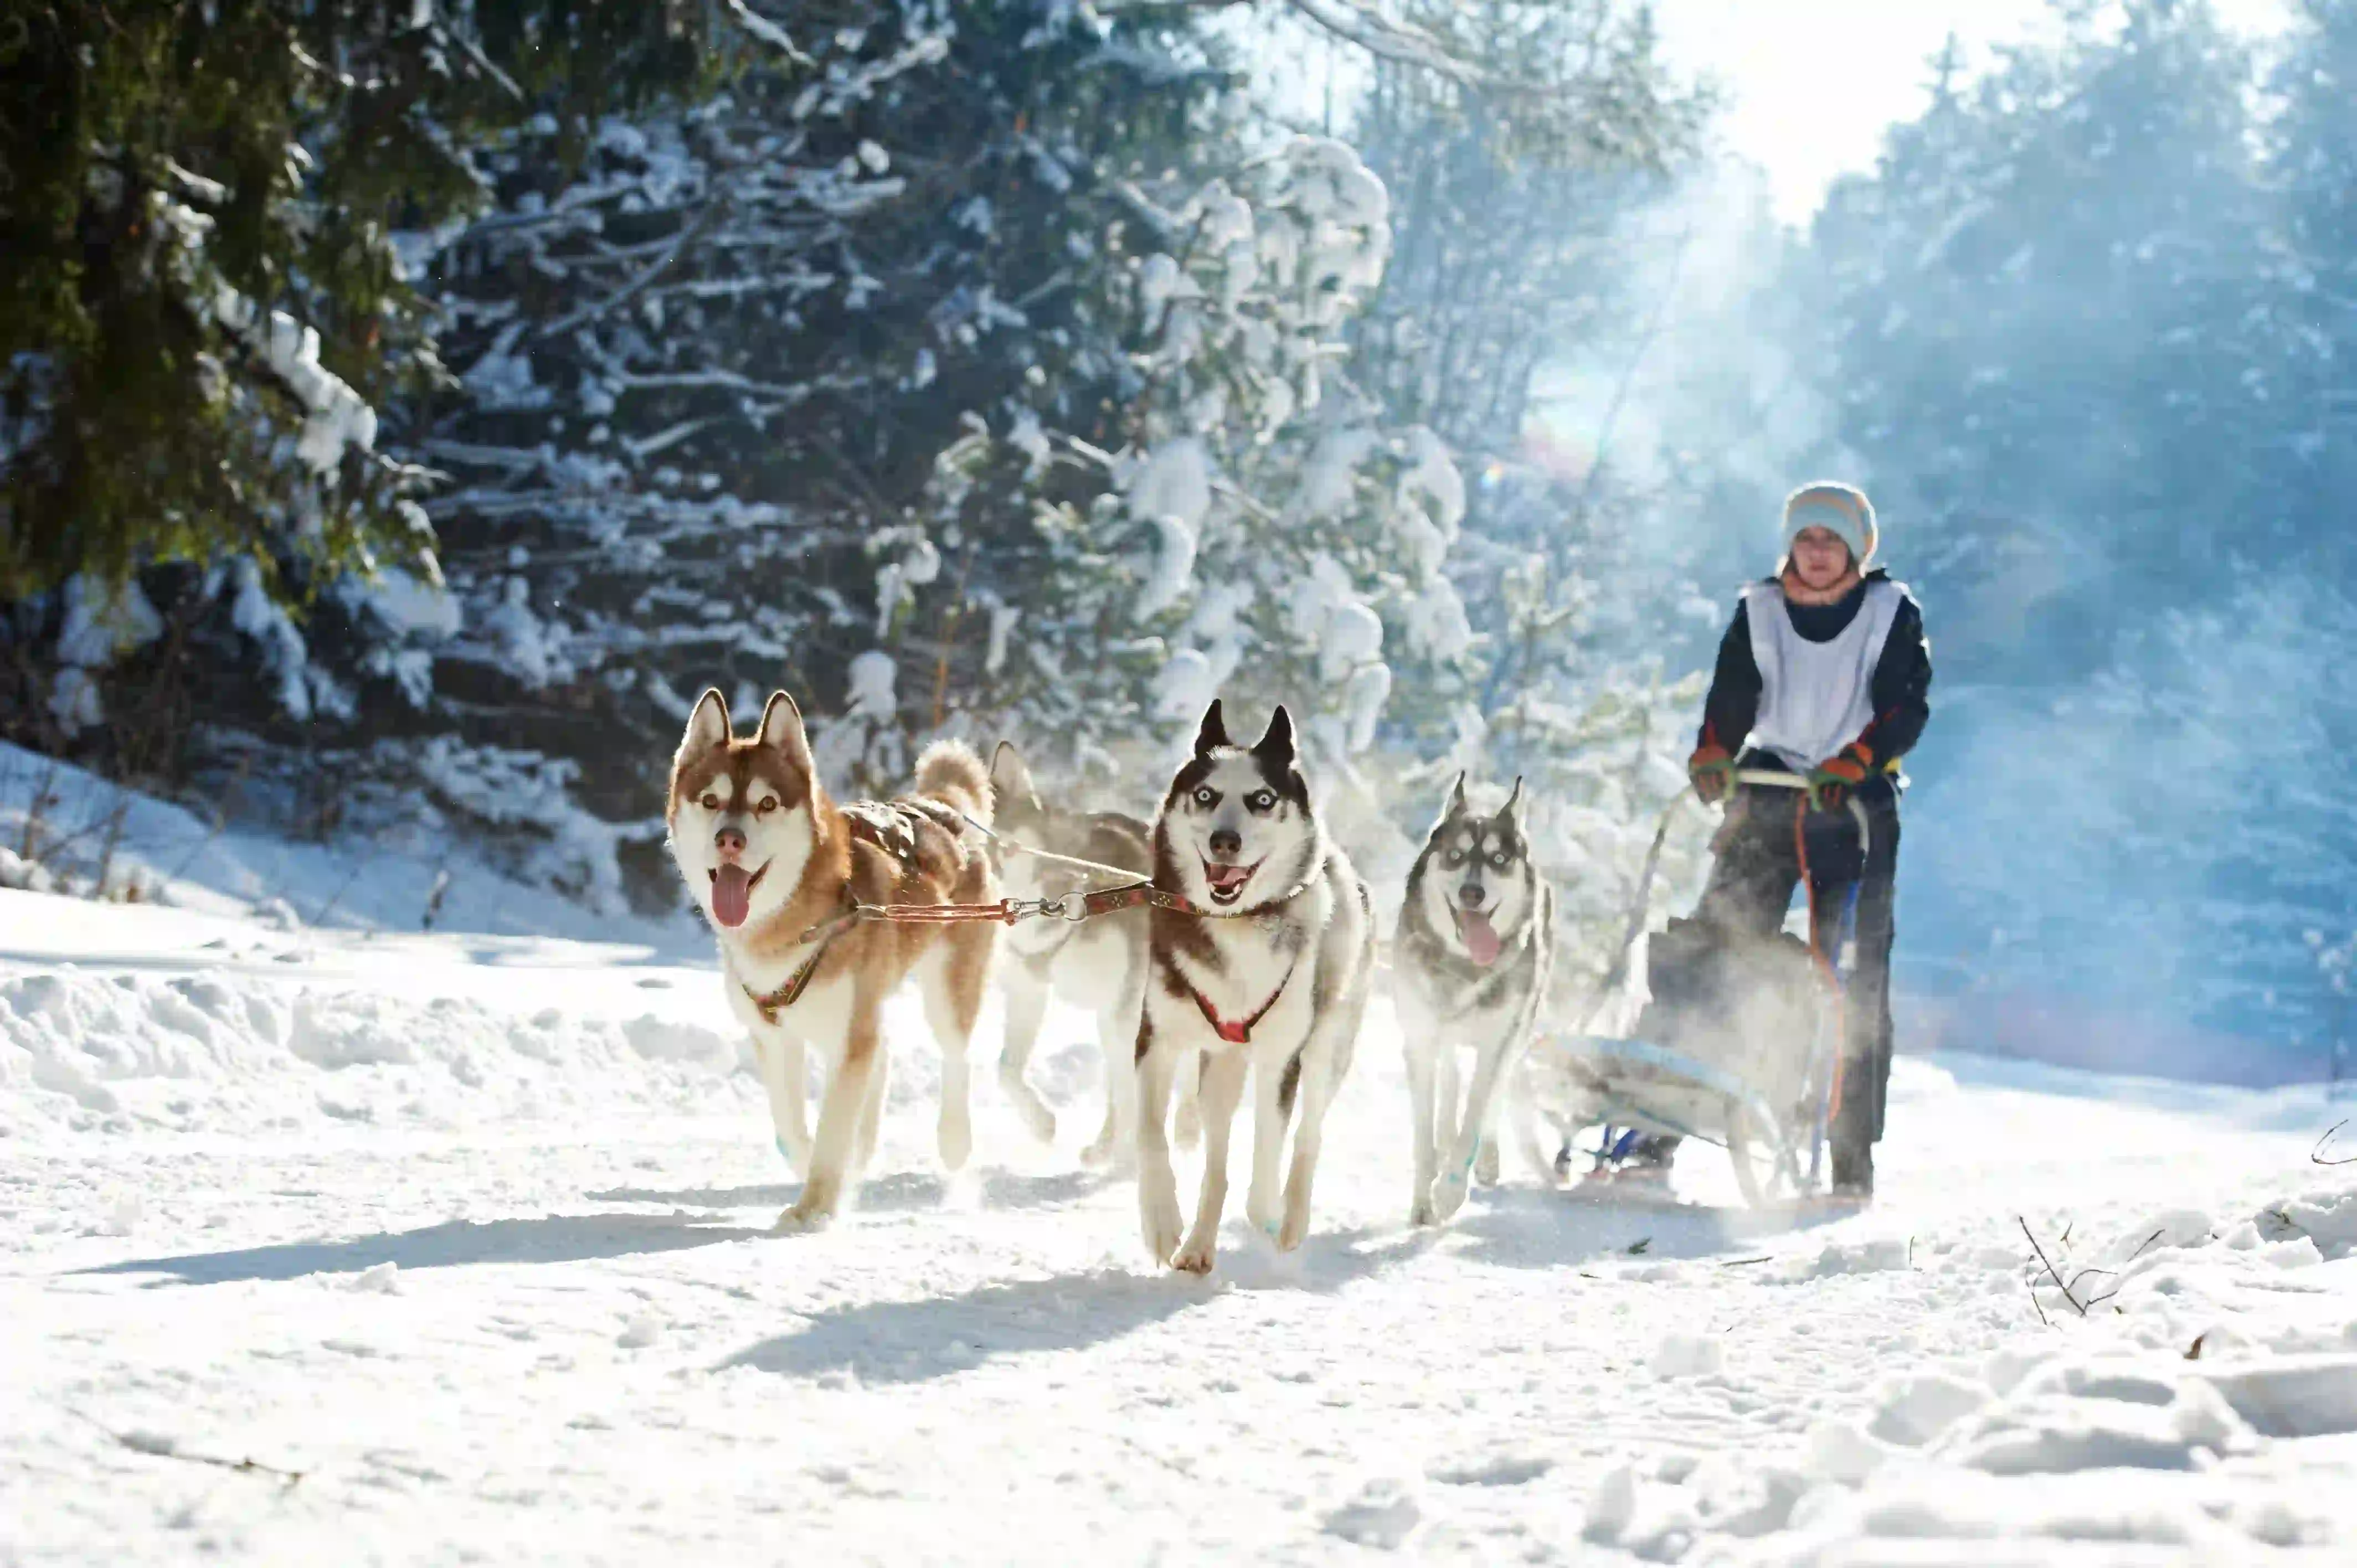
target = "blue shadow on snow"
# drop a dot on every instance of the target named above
(556, 1239)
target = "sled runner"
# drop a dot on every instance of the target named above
(1739, 1045)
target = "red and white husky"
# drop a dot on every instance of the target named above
(772, 859)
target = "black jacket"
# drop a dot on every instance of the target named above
(1901, 688)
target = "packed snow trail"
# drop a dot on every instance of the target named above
(471, 1236)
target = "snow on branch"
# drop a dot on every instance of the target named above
(766, 32)
(1362, 26)
(646, 276)
(1354, 22)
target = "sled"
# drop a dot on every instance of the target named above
(1739, 1046)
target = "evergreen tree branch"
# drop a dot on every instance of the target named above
(763, 31)
(645, 278)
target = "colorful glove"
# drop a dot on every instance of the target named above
(1713, 772)
(1831, 781)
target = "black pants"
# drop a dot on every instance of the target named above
(1751, 886)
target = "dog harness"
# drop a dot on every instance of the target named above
(769, 1004)
(876, 823)
(1236, 1032)
(887, 825)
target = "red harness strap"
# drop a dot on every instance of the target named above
(1237, 1033)
(1138, 894)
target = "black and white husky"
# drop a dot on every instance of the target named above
(1097, 965)
(1475, 946)
(1268, 981)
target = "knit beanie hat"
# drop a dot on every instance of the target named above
(1838, 508)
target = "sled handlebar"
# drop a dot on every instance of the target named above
(1770, 779)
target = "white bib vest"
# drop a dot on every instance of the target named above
(1815, 697)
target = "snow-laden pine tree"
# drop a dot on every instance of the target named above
(2311, 322)
(1240, 521)
(206, 329)
(1528, 207)
(2034, 315)
(2054, 341)
(708, 362)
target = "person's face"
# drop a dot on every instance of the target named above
(1819, 557)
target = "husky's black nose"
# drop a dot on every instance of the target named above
(1470, 895)
(1227, 841)
(729, 841)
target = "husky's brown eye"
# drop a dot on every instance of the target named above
(710, 802)
(764, 807)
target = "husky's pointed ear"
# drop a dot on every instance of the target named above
(707, 725)
(1010, 775)
(1213, 731)
(781, 727)
(1456, 796)
(1275, 744)
(1512, 809)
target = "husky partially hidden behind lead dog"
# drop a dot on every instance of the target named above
(1476, 943)
(776, 867)
(1264, 972)
(1098, 964)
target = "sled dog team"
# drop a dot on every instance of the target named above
(1244, 952)
(1249, 967)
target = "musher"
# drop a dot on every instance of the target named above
(1824, 672)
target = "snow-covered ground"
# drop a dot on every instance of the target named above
(470, 1234)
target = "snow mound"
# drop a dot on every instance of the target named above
(1381, 1514)
(1681, 1355)
(2180, 1354)
(1873, 1256)
(213, 1052)
(395, 877)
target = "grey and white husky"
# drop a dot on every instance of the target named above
(1269, 982)
(1097, 965)
(1476, 944)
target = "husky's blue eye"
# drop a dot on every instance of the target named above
(1260, 799)
(1500, 859)
(1207, 796)
(1454, 857)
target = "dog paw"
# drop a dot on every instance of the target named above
(1420, 1212)
(1197, 1255)
(1485, 1168)
(1295, 1230)
(1447, 1198)
(803, 1219)
(1158, 1219)
(1110, 1154)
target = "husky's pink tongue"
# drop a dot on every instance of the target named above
(1481, 936)
(732, 895)
(1227, 878)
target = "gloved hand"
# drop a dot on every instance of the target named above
(1713, 772)
(1831, 781)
